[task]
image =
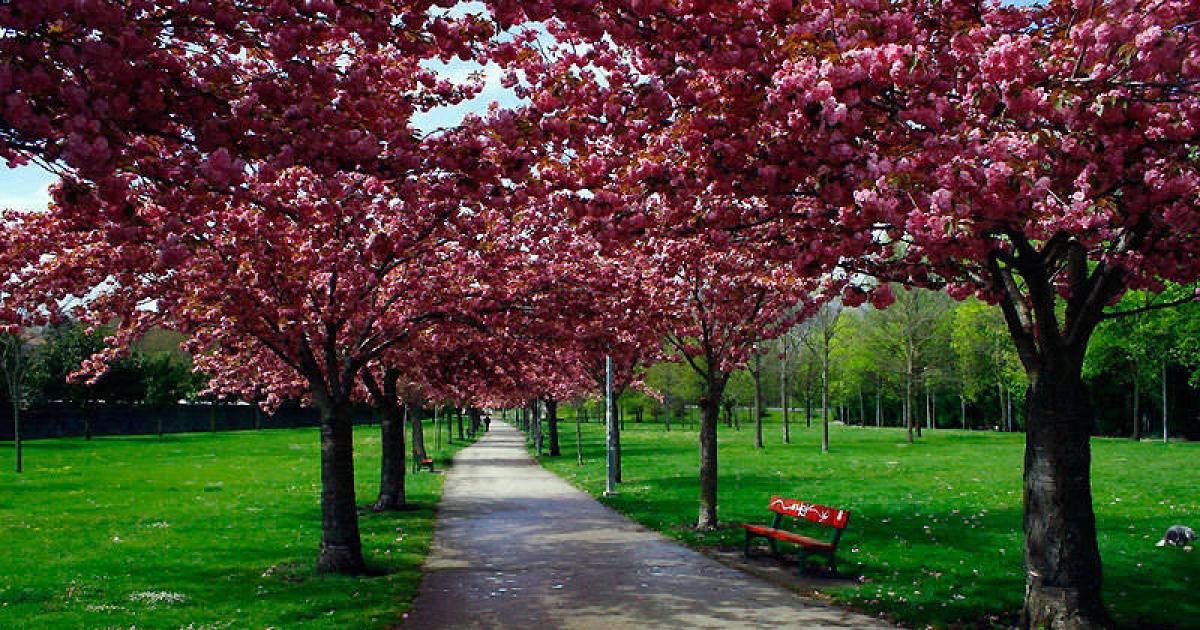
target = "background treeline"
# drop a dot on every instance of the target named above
(952, 365)
(155, 374)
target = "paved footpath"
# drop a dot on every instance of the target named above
(518, 547)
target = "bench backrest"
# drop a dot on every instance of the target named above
(819, 514)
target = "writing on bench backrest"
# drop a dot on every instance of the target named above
(820, 514)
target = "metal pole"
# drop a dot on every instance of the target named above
(610, 486)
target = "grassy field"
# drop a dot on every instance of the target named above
(935, 534)
(197, 531)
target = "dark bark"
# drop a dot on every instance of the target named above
(341, 546)
(617, 438)
(710, 407)
(552, 426)
(578, 437)
(16, 411)
(391, 432)
(392, 464)
(825, 397)
(756, 373)
(784, 401)
(418, 437)
(1062, 559)
(808, 403)
(459, 417)
(476, 420)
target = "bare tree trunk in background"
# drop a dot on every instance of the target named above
(1009, 417)
(1164, 401)
(578, 437)
(878, 400)
(808, 396)
(908, 414)
(1137, 399)
(17, 445)
(756, 374)
(783, 391)
(825, 398)
(1000, 394)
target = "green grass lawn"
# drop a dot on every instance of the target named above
(935, 532)
(197, 531)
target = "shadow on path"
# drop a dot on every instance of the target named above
(518, 547)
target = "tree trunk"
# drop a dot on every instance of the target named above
(1164, 401)
(1000, 393)
(578, 438)
(418, 437)
(1137, 399)
(1062, 559)
(1008, 417)
(536, 432)
(710, 407)
(16, 411)
(552, 423)
(758, 400)
(392, 462)
(437, 429)
(825, 399)
(962, 410)
(459, 418)
(617, 435)
(878, 401)
(392, 416)
(784, 398)
(341, 547)
(476, 421)
(808, 403)
(908, 414)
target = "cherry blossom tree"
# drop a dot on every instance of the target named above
(112, 95)
(723, 303)
(1041, 157)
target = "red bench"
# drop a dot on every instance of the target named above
(421, 462)
(797, 510)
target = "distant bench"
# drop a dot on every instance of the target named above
(797, 510)
(421, 462)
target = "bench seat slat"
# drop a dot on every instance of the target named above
(783, 534)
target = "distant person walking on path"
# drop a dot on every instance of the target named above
(487, 423)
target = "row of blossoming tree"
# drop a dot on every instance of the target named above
(704, 171)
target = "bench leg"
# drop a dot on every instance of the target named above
(746, 546)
